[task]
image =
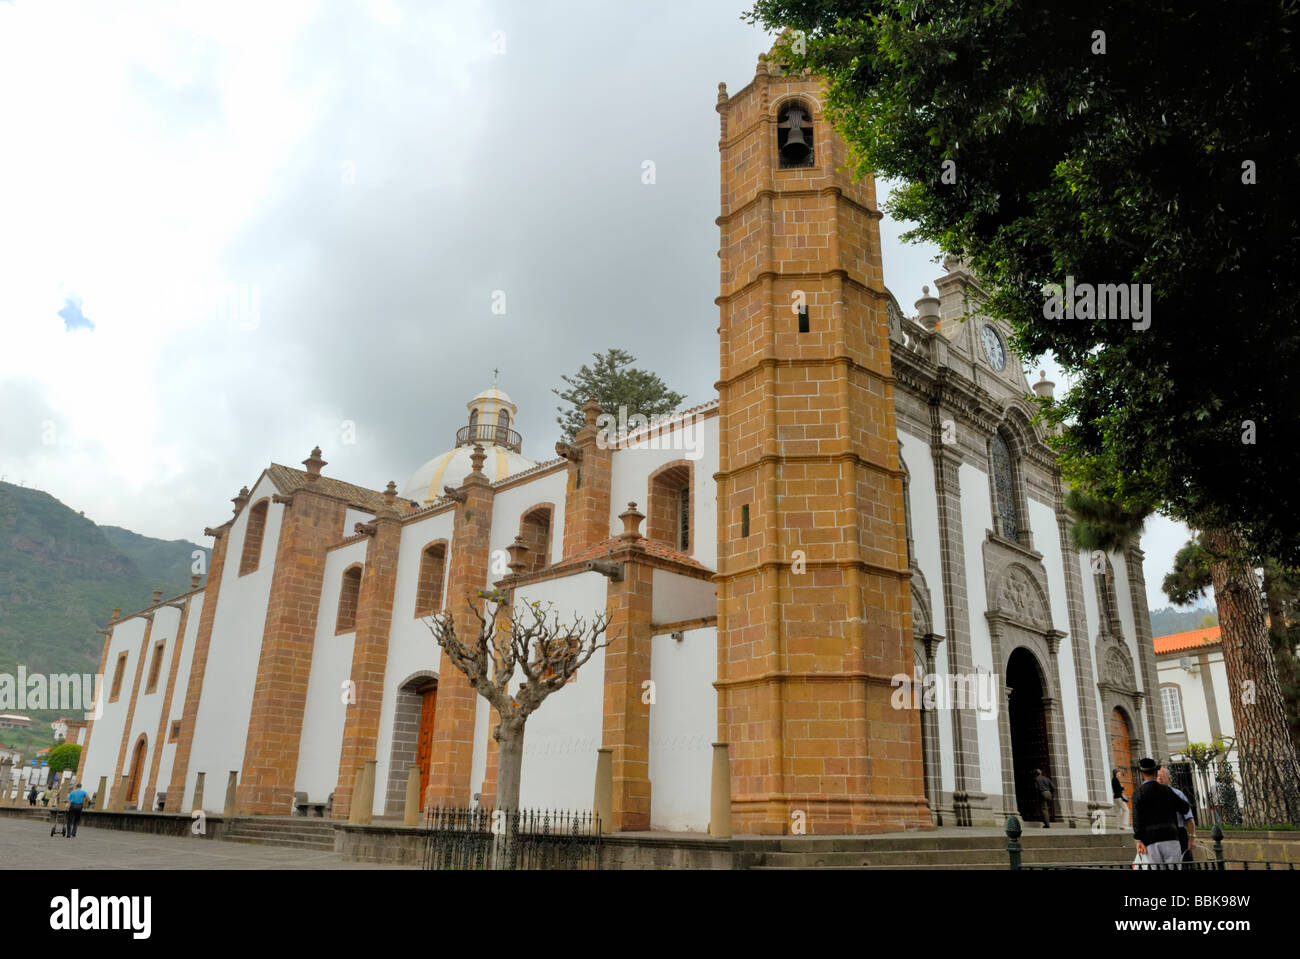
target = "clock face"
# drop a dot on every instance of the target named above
(994, 351)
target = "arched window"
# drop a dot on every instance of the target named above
(794, 135)
(155, 667)
(1107, 599)
(503, 428)
(346, 621)
(907, 510)
(428, 589)
(671, 507)
(253, 532)
(473, 417)
(1004, 488)
(535, 531)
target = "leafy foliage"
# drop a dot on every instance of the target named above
(1190, 578)
(1122, 167)
(612, 382)
(64, 756)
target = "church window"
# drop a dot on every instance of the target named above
(1107, 600)
(1004, 488)
(1173, 707)
(253, 532)
(117, 678)
(155, 667)
(428, 589)
(174, 734)
(669, 518)
(346, 621)
(794, 135)
(535, 531)
(803, 319)
(473, 417)
(744, 520)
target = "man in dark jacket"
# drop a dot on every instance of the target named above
(1045, 789)
(1156, 809)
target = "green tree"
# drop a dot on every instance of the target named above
(613, 382)
(63, 757)
(1104, 526)
(1116, 146)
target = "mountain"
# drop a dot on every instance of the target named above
(60, 577)
(1170, 620)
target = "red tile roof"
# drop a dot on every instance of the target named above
(650, 546)
(1176, 642)
(287, 479)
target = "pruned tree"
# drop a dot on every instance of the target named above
(547, 651)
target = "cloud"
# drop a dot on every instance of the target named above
(72, 315)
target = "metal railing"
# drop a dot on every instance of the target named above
(1221, 791)
(461, 838)
(487, 433)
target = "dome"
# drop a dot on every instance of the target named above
(491, 425)
(451, 468)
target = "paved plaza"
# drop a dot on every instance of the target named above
(27, 844)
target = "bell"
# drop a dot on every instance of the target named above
(796, 148)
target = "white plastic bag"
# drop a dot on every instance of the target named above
(1140, 861)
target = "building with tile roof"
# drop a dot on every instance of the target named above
(869, 511)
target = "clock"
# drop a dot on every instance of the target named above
(994, 351)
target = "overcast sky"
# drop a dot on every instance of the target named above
(230, 231)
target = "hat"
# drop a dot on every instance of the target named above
(1148, 765)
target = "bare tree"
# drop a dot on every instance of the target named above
(547, 652)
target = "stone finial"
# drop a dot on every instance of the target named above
(477, 458)
(631, 518)
(927, 309)
(722, 93)
(240, 499)
(1044, 387)
(313, 464)
(116, 615)
(194, 580)
(157, 596)
(390, 493)
(591, 410)
(518, 551)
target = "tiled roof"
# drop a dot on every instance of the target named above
(650, 546)
(287, 479)
(1176, 642)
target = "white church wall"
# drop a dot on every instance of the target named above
(226, 701)
(179, 690)
(923, 509)
(324, 712)
(1042, 520)
(148, 706)
(411, 647)
(977, 520)
(676, 597)
(1092, 616)
(104, 756)
(509, 506)
(350, 519)
(696, 443)
(683, 727)
(562, 737)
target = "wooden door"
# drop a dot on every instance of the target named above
(424, 744)
(1121, 751)
(137, 769)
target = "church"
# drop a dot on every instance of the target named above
(867, 509)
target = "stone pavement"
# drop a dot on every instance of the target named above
(27, 844)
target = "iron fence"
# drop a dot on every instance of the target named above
(1221, 791)
(463, 838)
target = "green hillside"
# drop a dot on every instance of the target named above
(60, 577)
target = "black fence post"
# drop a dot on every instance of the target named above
(1013, 841)
(1217, 836)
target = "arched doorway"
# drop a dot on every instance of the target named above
(1027, 717)
(1121, 750)
(137, 771)
(416, 703)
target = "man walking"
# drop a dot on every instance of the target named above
(1155, 810)
(76, 800)
(1185, 824)
(1045, 789)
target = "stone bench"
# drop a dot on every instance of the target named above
(302, 806)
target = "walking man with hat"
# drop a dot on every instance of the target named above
(1156, 810)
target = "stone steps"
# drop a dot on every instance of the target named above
(297, 833)
(938, 852)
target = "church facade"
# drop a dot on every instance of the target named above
(853, 568)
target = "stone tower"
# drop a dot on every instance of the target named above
(814, 615)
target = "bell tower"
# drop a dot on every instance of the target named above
(814, 614)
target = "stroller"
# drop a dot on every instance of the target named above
(57, 817)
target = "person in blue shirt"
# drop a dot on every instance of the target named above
(76, 800)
